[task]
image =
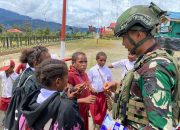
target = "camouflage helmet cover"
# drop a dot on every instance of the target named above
(146, 17)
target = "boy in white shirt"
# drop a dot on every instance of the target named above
(124, 64)
(7, 76)
(98, 75)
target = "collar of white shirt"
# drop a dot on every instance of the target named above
(99, 67)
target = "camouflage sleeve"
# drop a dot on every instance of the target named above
(156, 83)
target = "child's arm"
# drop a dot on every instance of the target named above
(89, 99)
(110, 66)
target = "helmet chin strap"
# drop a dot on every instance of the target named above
(136, 45)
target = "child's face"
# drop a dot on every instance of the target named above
(81, 63)
(131, 57)
(101, 61)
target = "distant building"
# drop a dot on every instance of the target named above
(14, 31)
(107, 30)
(170, 25)
(112, 26)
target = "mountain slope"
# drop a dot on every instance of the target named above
(9, 19)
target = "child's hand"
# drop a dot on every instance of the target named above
(110, 86)
(90, 99)
(92, 90)
(72, 93)
(80, 87)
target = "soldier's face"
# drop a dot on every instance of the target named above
(133, 35)
(126, 43)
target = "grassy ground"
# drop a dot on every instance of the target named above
(113, 48)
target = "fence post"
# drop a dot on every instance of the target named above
(7, 43)
(17, 41)
(30, 40)
(4, 42)
(20, 38)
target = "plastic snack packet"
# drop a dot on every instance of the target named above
(110, 124)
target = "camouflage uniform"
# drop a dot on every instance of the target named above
(154, 80)
(154, 77)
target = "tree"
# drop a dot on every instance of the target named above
(2, 28)
(46, 31)
(27, 28)
(91, 29)
(39, 32)
(14, 26)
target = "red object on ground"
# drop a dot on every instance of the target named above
(74, 78)
(99, 108)
(4, 103)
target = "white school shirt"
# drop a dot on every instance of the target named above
(95, 79)
(7, 83)
(125, 66)
(44, 94)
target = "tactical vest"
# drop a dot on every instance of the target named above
(125, 108)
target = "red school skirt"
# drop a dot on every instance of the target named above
(4, 103)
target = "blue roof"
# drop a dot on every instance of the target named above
(173, 15)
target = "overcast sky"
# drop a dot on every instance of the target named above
(81, 13)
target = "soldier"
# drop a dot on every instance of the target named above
(154, 74)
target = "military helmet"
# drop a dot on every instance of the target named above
(139, 17)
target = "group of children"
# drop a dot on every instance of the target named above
(48, 95)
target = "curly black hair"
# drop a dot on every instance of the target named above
(49, 70)
(33, 54)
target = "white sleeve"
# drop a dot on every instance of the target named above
(90, 75)
(1, 74)
(118, 64)
(14, 75)
(110, 75)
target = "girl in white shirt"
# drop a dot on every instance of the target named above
(98, 75)
(7, 76)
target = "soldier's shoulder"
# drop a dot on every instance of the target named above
(159, 61)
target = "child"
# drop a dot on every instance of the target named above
(50, 108)
(7, 76)
(124, 64)
(77, 75)
(25, 83)
(98, 75)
